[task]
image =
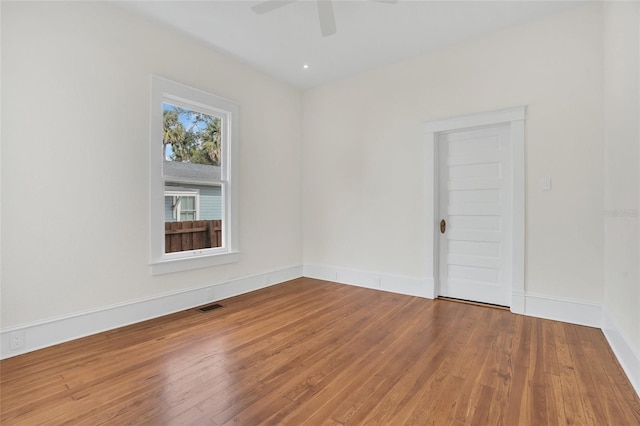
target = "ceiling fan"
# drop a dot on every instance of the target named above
(325, 12)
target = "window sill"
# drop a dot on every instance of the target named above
(186, 264)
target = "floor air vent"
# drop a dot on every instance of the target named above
(207, 308)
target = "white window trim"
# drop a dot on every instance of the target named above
(166, 91)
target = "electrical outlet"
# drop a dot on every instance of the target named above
(16, 340)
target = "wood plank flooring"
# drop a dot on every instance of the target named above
(314, 352)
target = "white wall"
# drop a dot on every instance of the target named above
(622, 142)
(364, 151)
(75, 109)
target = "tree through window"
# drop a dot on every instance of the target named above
(190, 136)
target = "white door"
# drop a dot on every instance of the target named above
(475, 214)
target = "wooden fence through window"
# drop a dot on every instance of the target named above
(192, 235)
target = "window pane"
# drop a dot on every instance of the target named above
(187, 216)
(188, 203)
(192, 156)
(191, 137)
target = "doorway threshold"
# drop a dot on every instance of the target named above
(473, 302)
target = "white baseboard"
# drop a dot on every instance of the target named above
(421, 287)
(628, 358)
(542, 306)
(41, 334)
(566, 310)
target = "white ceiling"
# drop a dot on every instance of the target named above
(369, 34)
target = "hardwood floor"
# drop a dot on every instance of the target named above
(313, 352)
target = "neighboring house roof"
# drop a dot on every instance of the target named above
(190, 171)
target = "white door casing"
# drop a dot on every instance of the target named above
(513, 120)
(475, 208)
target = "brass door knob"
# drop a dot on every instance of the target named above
(443, 226)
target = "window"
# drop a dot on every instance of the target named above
(193, 146)
(181, 206)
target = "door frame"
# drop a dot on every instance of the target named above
(515, 118)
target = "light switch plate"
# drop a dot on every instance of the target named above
(545, 184)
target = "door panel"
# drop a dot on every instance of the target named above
(475, 248)
(485, 223)
(475, 201)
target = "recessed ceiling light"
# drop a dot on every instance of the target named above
(305, 66)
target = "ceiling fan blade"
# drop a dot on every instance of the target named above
(327, 18)
(269, 5)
